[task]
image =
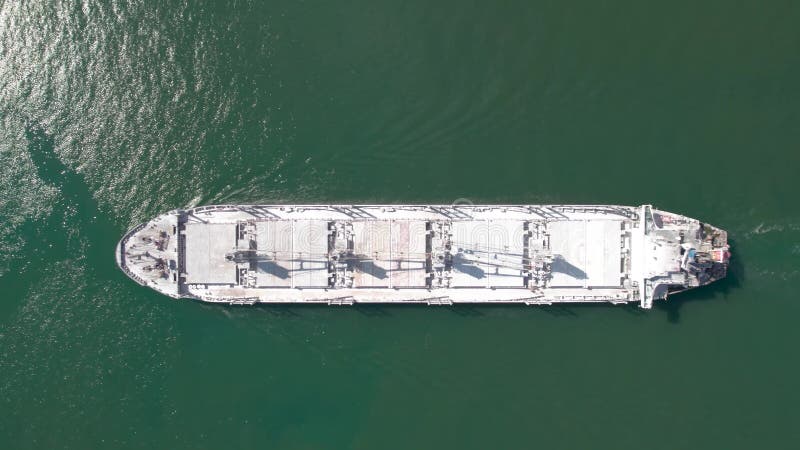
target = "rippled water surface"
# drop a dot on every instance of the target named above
(114, 111)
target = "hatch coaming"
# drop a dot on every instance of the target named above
(267, 248)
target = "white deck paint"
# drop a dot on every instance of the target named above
(408, 253)
(309, 254)
(275, 238)
(504, 250)
(373, 247)
(206, 246)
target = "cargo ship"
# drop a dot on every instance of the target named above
(423, 254)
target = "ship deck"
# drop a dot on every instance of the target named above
(418, 254)
(391, 254)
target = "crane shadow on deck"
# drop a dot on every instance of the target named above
(467, 266)
(370, 267)
(561, 265)
(274, 269)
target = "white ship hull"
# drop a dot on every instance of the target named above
(431, 254)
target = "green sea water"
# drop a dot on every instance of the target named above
(112, 112)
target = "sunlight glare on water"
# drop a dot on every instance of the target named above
(112, 112)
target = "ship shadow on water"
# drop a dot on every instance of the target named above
(722, 288)
(374, 310)
(73, 229)
(297, 310)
